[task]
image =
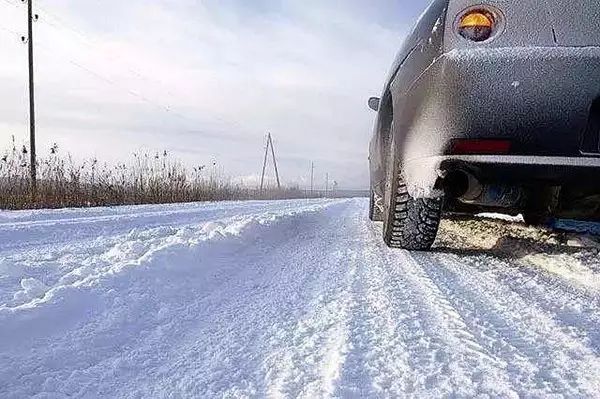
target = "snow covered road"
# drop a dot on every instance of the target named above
(290, 299)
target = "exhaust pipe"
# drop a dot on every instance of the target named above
(466, 188)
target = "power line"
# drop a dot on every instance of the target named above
(59, 24)
(127, 90)
(90, 71)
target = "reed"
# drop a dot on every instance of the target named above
(144, 179)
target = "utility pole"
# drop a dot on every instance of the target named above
(264, 168)
(33, 161)
(274, 162)
(312, 178)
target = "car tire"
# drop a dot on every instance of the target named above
(375, 214)
(409, 223)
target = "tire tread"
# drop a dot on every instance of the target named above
(415, 221)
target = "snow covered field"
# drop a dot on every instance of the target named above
(290, 299)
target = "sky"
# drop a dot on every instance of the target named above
(205, 80)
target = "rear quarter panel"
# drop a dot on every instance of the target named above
(422, 46)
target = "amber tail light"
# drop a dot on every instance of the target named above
(476, 25)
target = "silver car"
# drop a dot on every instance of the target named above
(490, 106)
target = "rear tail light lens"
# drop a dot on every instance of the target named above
(481, 147)
(477, 25)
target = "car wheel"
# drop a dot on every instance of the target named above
(375, 214)
(409, 223)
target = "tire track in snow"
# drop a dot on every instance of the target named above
(409, 338)
(575, 313)
(458, 364)
(570, 273)
(306, 357)
(541, 357)
(558, 296)
(378, 360)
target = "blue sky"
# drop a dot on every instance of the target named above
(206, 80)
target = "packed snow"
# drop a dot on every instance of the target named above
(291, 299)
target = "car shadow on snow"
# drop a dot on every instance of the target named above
(510, 240)
(512, 248)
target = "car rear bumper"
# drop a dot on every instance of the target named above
(525, 169)
(539, 98)
(423, 175)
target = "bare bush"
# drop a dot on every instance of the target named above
(145, 179)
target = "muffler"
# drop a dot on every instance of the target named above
(466, 188)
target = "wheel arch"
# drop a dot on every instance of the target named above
(386, 118)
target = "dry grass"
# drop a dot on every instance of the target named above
(145, 179)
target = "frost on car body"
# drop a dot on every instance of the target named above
(495, 107)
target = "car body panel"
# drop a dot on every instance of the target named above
(524, 85)
(575, 22)
(425, 39)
